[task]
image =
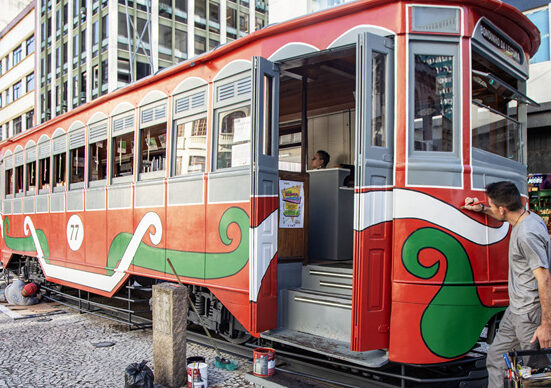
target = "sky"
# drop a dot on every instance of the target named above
(524, 5)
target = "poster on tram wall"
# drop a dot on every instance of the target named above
(291, 204)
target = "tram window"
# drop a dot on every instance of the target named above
(123, 155)
(378, 108)
(97, 169)
(433, 118)
(190, 146)
(77, 165)
(18, 179)
(290, 149)
(234, 136)
(9, 182)
(267, 125)
(59, 169)
(31, 177)
(44, 173)
(493, 110)
(153, 148)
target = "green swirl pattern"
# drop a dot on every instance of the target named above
(198, 265)
(25, 244)
(452, 322)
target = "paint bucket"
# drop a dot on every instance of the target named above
(197, 375)
(193, 359)
(263, 362)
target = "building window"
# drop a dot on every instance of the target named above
(214, 17)
(260, 23)
(16, 56)
(44, 171)
(165, 42)
(165, 8)
(98, 161)
(30, 45)
(95, 77)
(30, 82)
(200, 44)
(142, 70)
(29, 118)
(123, 70)
(77, 165)
(123, 155)
(244, 22)
(180, 46)
(17, 90)
(180, 11)
(153, 147)
(104, 73)
(105, 28)
(231, 23)
(95, 33)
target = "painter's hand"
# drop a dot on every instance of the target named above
(470, 204)
(543, 334)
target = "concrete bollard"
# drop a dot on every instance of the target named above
(169, 334)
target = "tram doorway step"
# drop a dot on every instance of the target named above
(283, 379)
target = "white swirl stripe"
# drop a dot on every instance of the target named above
(262, 249)
(94, 280)
(375, 207)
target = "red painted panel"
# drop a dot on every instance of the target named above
(371, 288)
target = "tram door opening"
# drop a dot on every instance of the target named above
(340, 101)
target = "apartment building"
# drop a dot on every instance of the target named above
(87, 48)
(17, 83)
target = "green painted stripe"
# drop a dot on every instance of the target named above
(198, 265)
(25, 244)
(452, 322)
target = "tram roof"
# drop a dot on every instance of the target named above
(530, 42)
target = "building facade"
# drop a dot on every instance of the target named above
(17, 77)
(88, 48)
(539, 118)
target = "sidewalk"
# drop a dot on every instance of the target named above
(58, 351)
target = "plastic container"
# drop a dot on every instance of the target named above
(197, 375)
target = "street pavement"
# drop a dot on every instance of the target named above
(59, 351)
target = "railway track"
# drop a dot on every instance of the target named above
(130, 310)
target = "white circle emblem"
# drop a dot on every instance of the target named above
(75, 232)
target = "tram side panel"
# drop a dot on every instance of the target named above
(441, 294)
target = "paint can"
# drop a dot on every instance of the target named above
(263, 362)
(197, 375)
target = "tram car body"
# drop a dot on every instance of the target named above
(206, 163)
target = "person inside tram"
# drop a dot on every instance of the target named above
(320, 160)
(21, 293)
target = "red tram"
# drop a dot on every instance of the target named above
(419, 104)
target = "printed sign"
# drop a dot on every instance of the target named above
(291, 204)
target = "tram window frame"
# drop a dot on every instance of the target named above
(218, 131)
(158, 159)
(435, 48)
(497, 108)
(9, 183)
(446, 170)
(125, 177)
(60, 171)
(30, 178)
(44, 186)
(93, 159)
(181, 124)
(19, 180)
(76, 178)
